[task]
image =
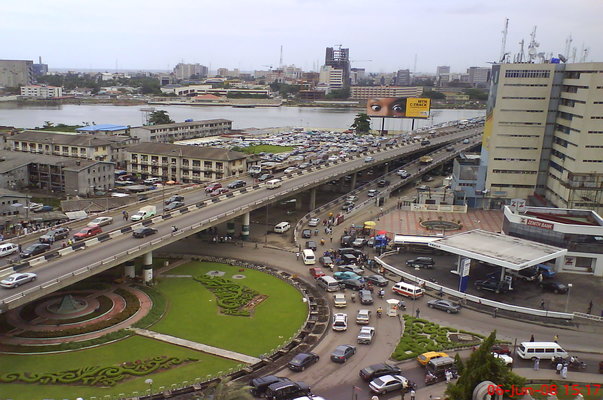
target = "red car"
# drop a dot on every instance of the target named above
(316, 272)
(87, 232)
(212, 187)
(219, 191)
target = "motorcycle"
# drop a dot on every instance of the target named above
(381, 293)
(379, 313)
(572, 363)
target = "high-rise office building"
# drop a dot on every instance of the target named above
(339, 59)
(15, 73)
(442, 70)
(188, 71)
(479, 76)
(403, 77)
(543, 136)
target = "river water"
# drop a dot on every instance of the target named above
(29, 116)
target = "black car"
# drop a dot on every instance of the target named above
(421, 262)
(444, 305)
(287, 390)
(353, 284)
(302, 361)
(377, 280)
(311, 244)
(174, 205)
(35, 249)
(54, 235)
(259, 385)
(174, 198)
(306, 233)
(366, 297)
(491, 285)
(326, 261)
(347, 206)
(383, 183)
(376, 370)
(236, 184)
(347, 240)
(265, 177)
(554, 286)
(143, 232)
(342, 353)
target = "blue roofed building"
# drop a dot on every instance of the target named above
(107, 129)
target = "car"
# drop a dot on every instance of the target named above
(366, 334)
(87, 232)
(507, 359)
(304, 165)
(326, 262)
(424, 358)
(302, 361)
(359, 242)
(143, 232)
(340, 322)
(43, 209)
(290, 170)
(449, 148)
(339, 300)
(100, 221)
(425, 142)
(403, 173)
(311, 244)
(265, 177)
(491, 285)
(219, 192)
(341, 275)
(500, 349)
(420, 262)
(259, 385)
(333, 158)
(363, 317)
(366, 297)
(421, 188)
(369, 159)
(314, 222)
(18, 279)
(174, 205)
(465, 141)
(342, 353)
(353, 284)
(444, 305)
(377, 280)
(388, 383)
(351, 198)
(53, 235)
(347, 206)
(176, 198)
(212, 186)
(316, 272)
(306, 233)
(427, 178)
(546, 270)
(351, 268)
(554, 286)
(527, 274)
(35, 249)
(236, 184)
(383, 183)
(376, 370)
(372, 193)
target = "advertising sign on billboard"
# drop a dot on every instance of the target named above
(398, 107)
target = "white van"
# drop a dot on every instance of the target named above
(152, 181)
(328, 283)
(541, 350)
(407, 290)
(282, 227)
(273, 183)
(7, 249)
(308, 257)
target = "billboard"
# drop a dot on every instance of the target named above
(398, 107)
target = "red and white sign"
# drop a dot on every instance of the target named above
(538, 224)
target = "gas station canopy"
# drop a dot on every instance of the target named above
(494, 248)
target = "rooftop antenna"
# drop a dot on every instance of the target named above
(584, 55)
(533, 46)
(568, 46)
(573, 58)
(521, 54)
(281, 59)
(503, 47)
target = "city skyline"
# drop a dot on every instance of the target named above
(139, 35)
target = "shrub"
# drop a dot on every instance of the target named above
(231, 297)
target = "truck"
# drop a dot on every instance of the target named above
(144, 213)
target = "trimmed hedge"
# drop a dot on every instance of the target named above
(421, 336)
(231, 297)
(109, 337)
(97, 375)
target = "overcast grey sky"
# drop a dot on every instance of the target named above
(247, 34)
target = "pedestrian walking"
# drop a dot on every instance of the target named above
(536, 364)
(556, 338)
(412, 394)
(322, 242)
(315, 232)
(532, 338)
(495, 312)
(20, 248)
(417, 312)
(297, 255)
(331, 239)
(564, 371)
(448, 375)
(542, 304)
(559, 367)
(590, 307)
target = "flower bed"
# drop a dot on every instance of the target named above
(231, 297)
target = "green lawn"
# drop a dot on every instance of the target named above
(135, 348)
(267, 148)
(273, 321)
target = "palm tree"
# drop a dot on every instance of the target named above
(227, 390)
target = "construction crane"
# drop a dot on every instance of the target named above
(269, 66)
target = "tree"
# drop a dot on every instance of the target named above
(483, 366)
(340, 94)
(362, 123)
(160, 117)
(476, 94)
(432, 94)
(227, 390)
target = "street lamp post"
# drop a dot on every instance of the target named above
(150, 383)
(569, 287)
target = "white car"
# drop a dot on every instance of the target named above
(18, 279)
(333, 158)
(369, 159)
(387, 383)
(363, 317)
(340, 322)
(101, 221)
(403, 173)
(366, 335)
(314, 222)
(351, 198)
(372, 193)
(339, 300)
(290, 170)
(508, 360)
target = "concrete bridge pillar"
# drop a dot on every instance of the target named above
(245, 227)
(312, 205)
(147, 267)
(230, 228)
(353, 183)
(129, 269)
(299, 200)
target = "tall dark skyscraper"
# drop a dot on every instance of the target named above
(340, 59)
